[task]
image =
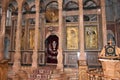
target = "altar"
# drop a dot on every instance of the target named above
(110, 60)
(110, 68)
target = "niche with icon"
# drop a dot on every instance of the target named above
(51, 47)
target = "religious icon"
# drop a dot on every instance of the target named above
(51, 12)
(72, 38)
(91, 37)
(31, 38)
(51, 15)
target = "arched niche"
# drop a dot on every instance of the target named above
(51, 49)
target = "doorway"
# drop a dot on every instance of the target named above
(51, 47)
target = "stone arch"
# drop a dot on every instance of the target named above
(52, 33)
(48, 2)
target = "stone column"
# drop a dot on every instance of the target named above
(103, 15)
(82, 58)
(35, 52)
(17, 55)
(60, 51)
(2, 33)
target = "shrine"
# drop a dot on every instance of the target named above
(59, 39)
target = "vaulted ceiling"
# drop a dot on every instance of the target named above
(67, 4)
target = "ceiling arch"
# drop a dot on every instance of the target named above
(71, 5)
(90, 4)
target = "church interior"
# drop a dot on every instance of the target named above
(59, 39)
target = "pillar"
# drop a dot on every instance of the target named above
(35, 52)
(60, 51)
(82, 59)
(103, 16)
(17, 55)
(2, 33)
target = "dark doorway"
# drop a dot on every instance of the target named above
(51, 46)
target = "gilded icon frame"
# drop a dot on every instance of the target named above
(91, 37)
(72, 38)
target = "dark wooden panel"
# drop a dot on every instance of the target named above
(70, 59)
(92, 59)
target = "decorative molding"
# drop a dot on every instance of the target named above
(83, 73)
(82, 63)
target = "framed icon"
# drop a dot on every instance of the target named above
(91, 37)
(72, 37)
